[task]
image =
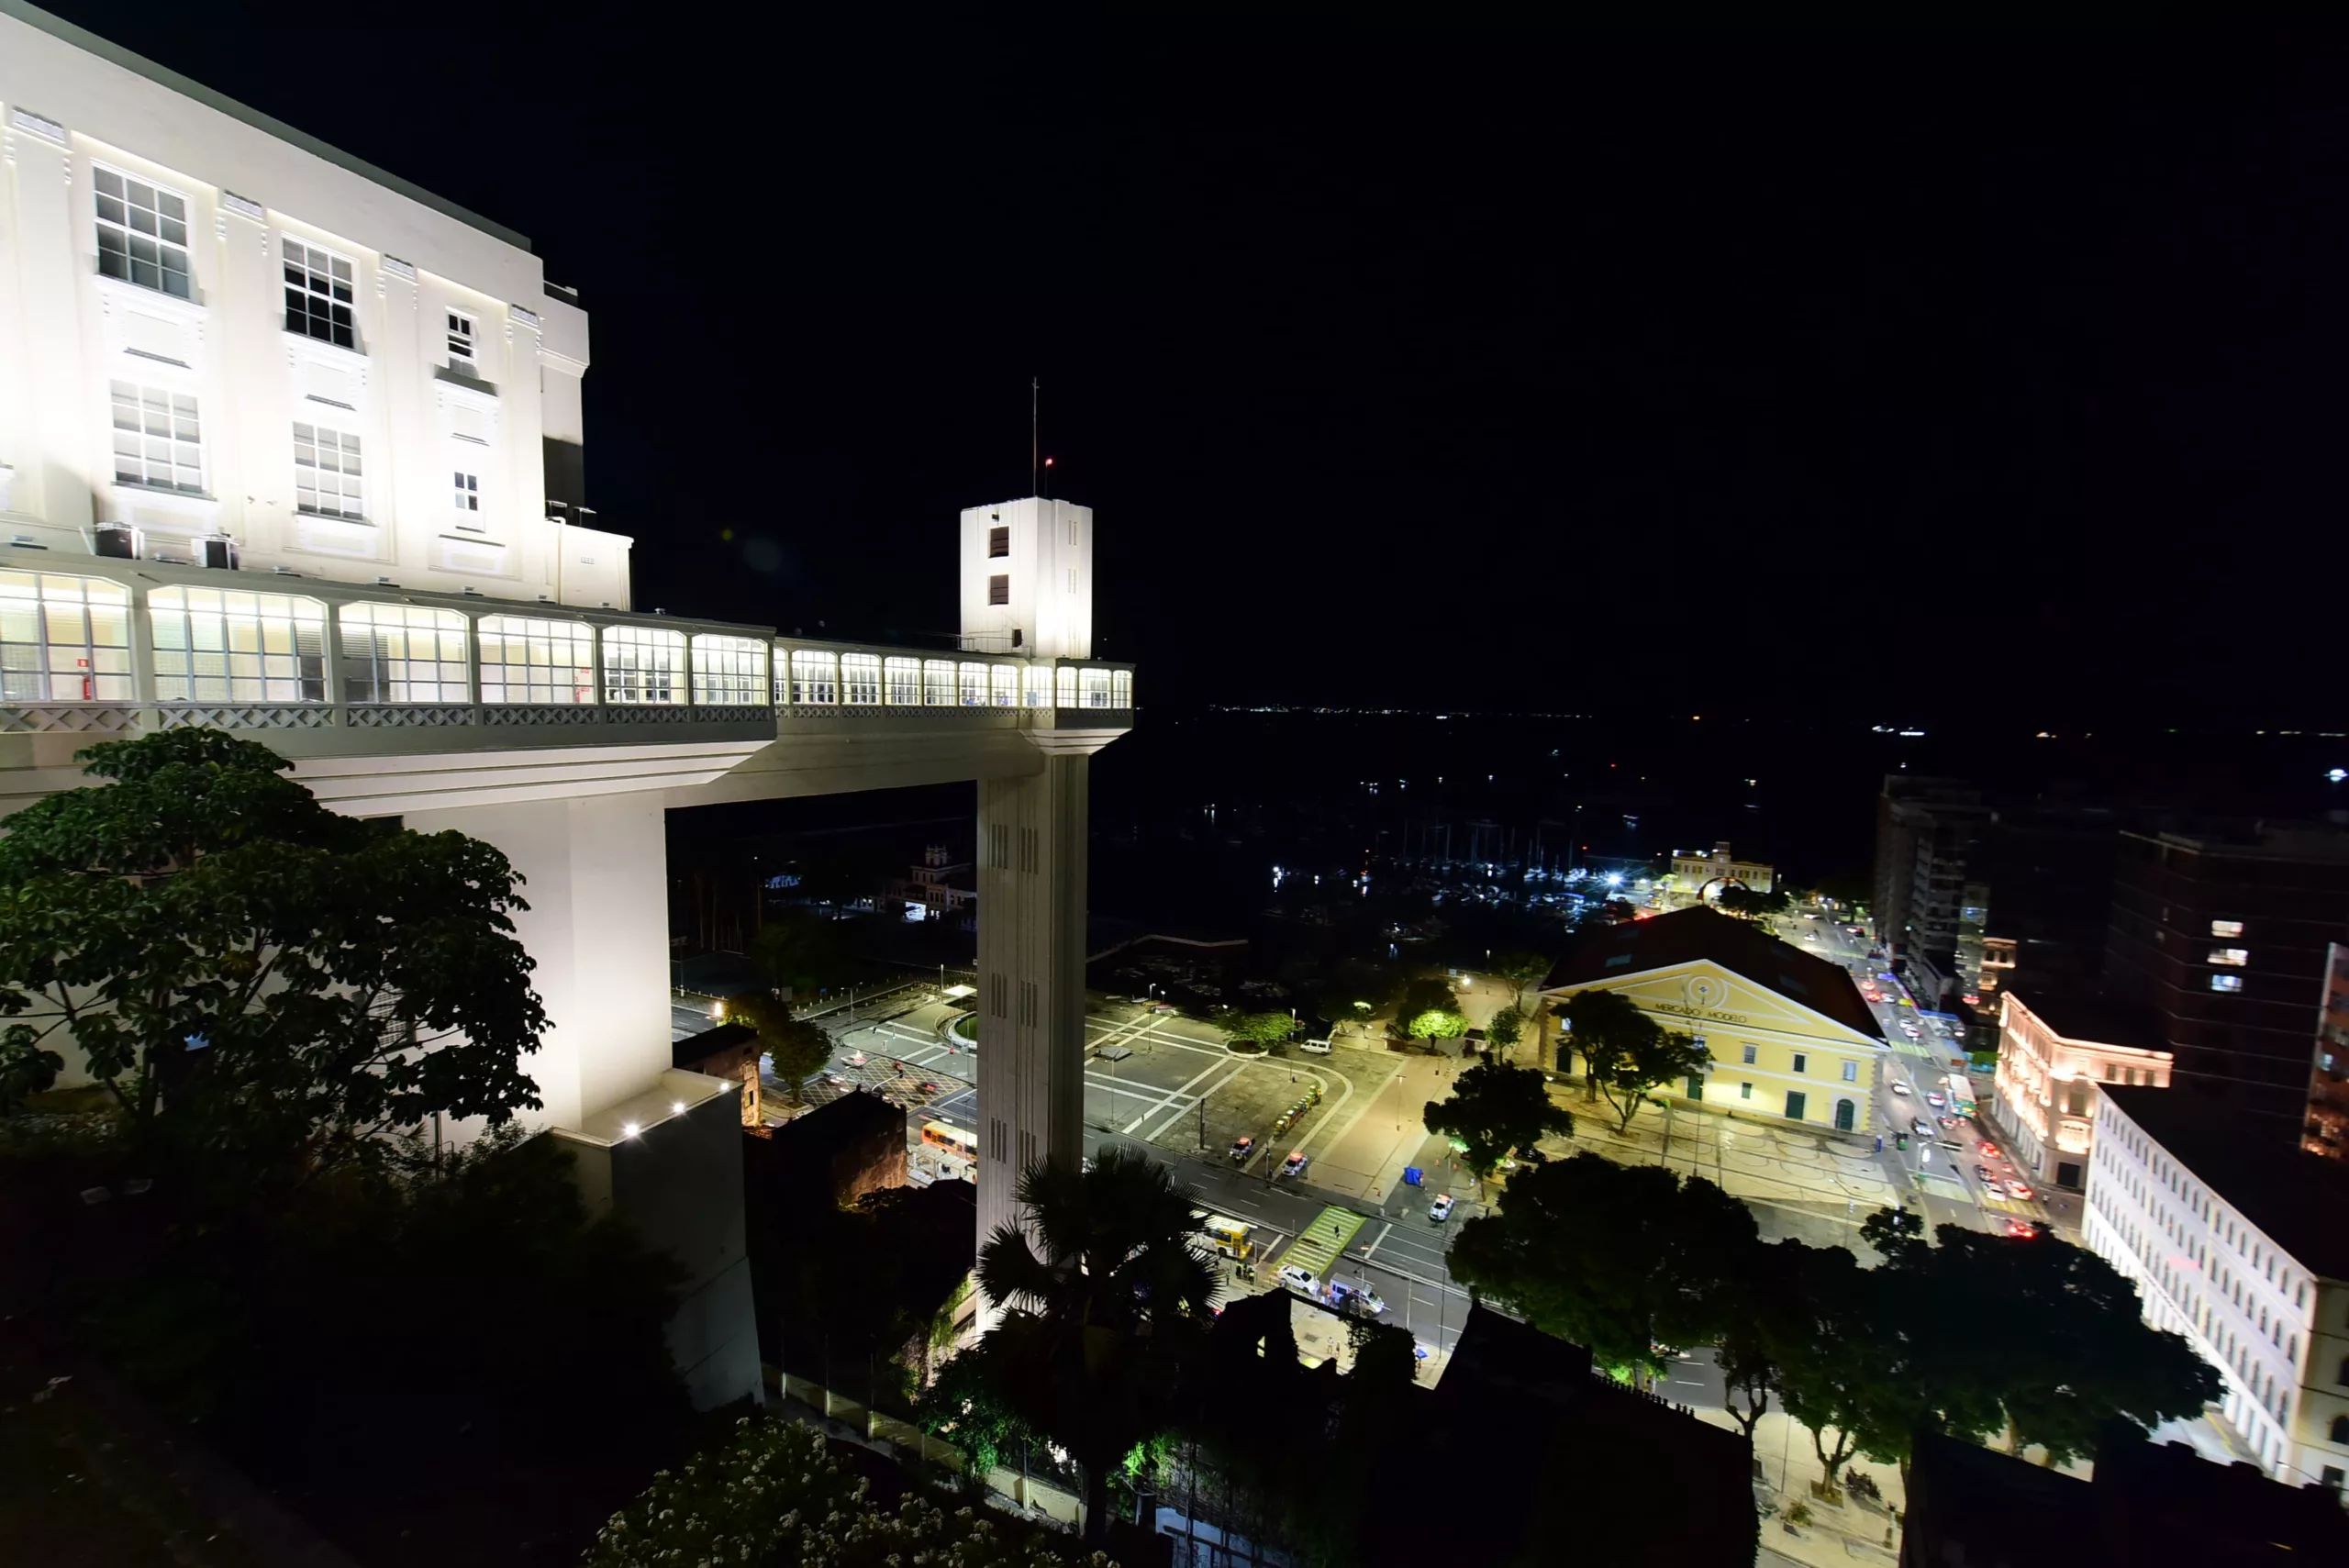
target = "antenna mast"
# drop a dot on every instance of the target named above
(1035, 430)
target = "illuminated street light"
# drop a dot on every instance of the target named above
(628, 1129)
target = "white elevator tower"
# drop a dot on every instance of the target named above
(1027, 569)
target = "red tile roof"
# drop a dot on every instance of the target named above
(1637, 947)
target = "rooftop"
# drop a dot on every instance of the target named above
(2324, 842)
(1688, 936)
(2081, 1016)
(2300, 1200)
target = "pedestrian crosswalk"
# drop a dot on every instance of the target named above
(1324, 1240)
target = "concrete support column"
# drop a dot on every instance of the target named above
(1031, 972)
(596, 871)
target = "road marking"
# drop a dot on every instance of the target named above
(1372, 1251)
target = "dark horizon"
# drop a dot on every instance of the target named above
(1857, 378)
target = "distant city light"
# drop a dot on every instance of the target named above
(1614, 879)
(2337, 775)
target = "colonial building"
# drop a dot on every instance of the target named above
(1789, 1035)
(2241, 1243)
(1698, 877)
(2053, 1052)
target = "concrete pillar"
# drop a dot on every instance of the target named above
(1031, 973)
(598, 926)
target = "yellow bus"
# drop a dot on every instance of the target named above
(1231, 1236)
(953, 1138)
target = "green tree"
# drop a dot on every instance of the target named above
(800, 952)
(1848, 1362)
(1626, 1054)
(1095, 1325)
(1520, 970)
(1630, 1261)
(775, 1495)
(796, 1047)
(1503, 1033)
(1758, 1327)
(1429, 1010)
(1494, 1110)
(1257, 1030)
(263, 984)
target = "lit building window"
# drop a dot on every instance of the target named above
(63, 638)
(157, 439)
(975, 685)
(326, 473)
(1121, 688)
(905, 681)
(2231, 957)
(1066, 686)
(938, 683)
(1006, 682)
(525, 658)
(860, 679)
(643, 665)
(2226, 982)
(219, 645)
(142, 233)
(2226, 928)
(731, 671)
(1851, 1071)
(318, 294)
(815, 677)
(1095, 683)
(1036, 686)
(402, 653)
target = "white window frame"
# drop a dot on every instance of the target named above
(860, 680)
(1036, 686)
(404, 653)
(215, 645)
(731, 671)
(556, 662)
(329, 283)
(170, 260)
(815, 678)
(64, 638)
(466, 491)
(1093, 684)
(938, 683)
(1121, 688)
(175, 451)
(464, 342)
(349, 494)
(644, 666)
(974, 685)
(1004, 680)
(904, 679)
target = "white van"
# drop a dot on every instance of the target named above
(1314, 1047)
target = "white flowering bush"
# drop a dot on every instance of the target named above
(776, 1495)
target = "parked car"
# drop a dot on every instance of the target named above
(856, 1058)
(1300, 1280)
(1295, 1165)
(1898, 1087)
(1440, 1209)
(1357, 1299)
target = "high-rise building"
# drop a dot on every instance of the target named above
(1928, 830)
(2226, 939)
(2328, 1124)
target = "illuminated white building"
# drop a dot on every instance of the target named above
(1698, 877)
(279, 437)
(231, 338)
(2044, 1098)
(2242, 1245)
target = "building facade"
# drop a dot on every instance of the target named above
(1927, 834)
(1698, 877)
(2327, 1132)
(2241, 1245)
(2226, 939)
(1789, 1036)
(2043, 1099)
(222, 340)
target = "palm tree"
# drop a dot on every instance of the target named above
(1101, 1292)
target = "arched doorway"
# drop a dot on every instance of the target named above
(1845, 1113)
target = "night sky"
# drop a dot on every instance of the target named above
(1902, 375)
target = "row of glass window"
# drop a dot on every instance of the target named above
(67, 638)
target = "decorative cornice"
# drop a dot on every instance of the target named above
(47, 129)
(244, 207)
(400, 269)
(527, 317)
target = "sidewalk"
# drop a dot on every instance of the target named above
(1367, 1156)
(1838, 1534)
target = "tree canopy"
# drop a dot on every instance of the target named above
(1626, 1054)
(1253, 1031)
(1495, 1109)
(1628, 1261)
(1520, 970)
(257, 979)
(796, 1047)
(1430, 1010)
(800, 951)
(1751, 904)
(1505, 1029)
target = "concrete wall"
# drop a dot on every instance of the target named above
(1049, 574)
